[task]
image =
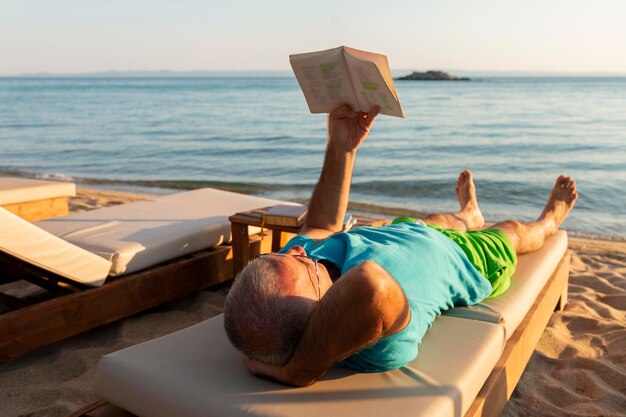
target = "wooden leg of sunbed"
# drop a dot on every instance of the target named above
(276, 240)
(499, 387)
(280, 239)
(241, 252)
(560, 306)
(38, 325)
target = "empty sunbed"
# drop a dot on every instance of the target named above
(468, 365)
(113, 262)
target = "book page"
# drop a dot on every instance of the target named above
(380, 61)
(371, 87)
(324, 79)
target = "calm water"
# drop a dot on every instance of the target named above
(256, 135)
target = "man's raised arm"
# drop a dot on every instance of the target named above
(347, 129)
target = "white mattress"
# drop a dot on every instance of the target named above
(138, 235)
(23, 240)
(195, 372)
(22, 190)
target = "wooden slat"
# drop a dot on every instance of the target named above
(40, 209)
(49, 321)
(13, 303)
(501, 383)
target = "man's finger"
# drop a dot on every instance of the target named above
(369, 117)
(364, 120)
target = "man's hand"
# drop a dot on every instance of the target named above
(347, 129)
(263, 370)
(275, 372)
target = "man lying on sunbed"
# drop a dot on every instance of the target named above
(364, 298)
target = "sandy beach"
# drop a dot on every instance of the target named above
(578, 368)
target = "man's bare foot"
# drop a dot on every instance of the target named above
(562, 199)
(466, 195)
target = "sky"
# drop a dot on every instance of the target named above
(77, 36)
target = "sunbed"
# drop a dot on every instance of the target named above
(105, 264)
(468, 363)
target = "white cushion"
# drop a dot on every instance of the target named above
(22, 190)
(25, 241)
(138, 235)
(196, 372)
(532, 272)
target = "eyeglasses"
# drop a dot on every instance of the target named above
(300, 257)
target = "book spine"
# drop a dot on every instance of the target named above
(347, 66)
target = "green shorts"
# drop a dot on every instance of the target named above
(490, 251)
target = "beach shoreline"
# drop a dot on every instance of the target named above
(578, 367)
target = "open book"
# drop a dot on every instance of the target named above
(345, 75)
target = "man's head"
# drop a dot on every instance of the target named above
(270, 302)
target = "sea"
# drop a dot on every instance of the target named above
(254, 134)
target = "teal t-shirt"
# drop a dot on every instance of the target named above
(431, 269)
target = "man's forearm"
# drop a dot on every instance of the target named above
(363, 306)
(347, 129)
(329, 201)
(345, 321)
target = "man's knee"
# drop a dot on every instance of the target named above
(438, 219)
(514, 230)
(513, 225)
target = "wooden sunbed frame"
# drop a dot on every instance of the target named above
(36, 210)
(78, 308)
(500, 384)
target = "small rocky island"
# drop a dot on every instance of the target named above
(432, 76)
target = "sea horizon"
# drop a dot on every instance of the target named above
(288, 73)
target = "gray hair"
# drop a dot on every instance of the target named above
(259, 319)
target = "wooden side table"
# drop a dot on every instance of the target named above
(240, 222)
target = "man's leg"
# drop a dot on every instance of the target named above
(469, 217)
(529, 236)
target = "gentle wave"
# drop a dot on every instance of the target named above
(433, 188)
(29, 125)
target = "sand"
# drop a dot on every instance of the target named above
(89, 199)
(578, 369)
